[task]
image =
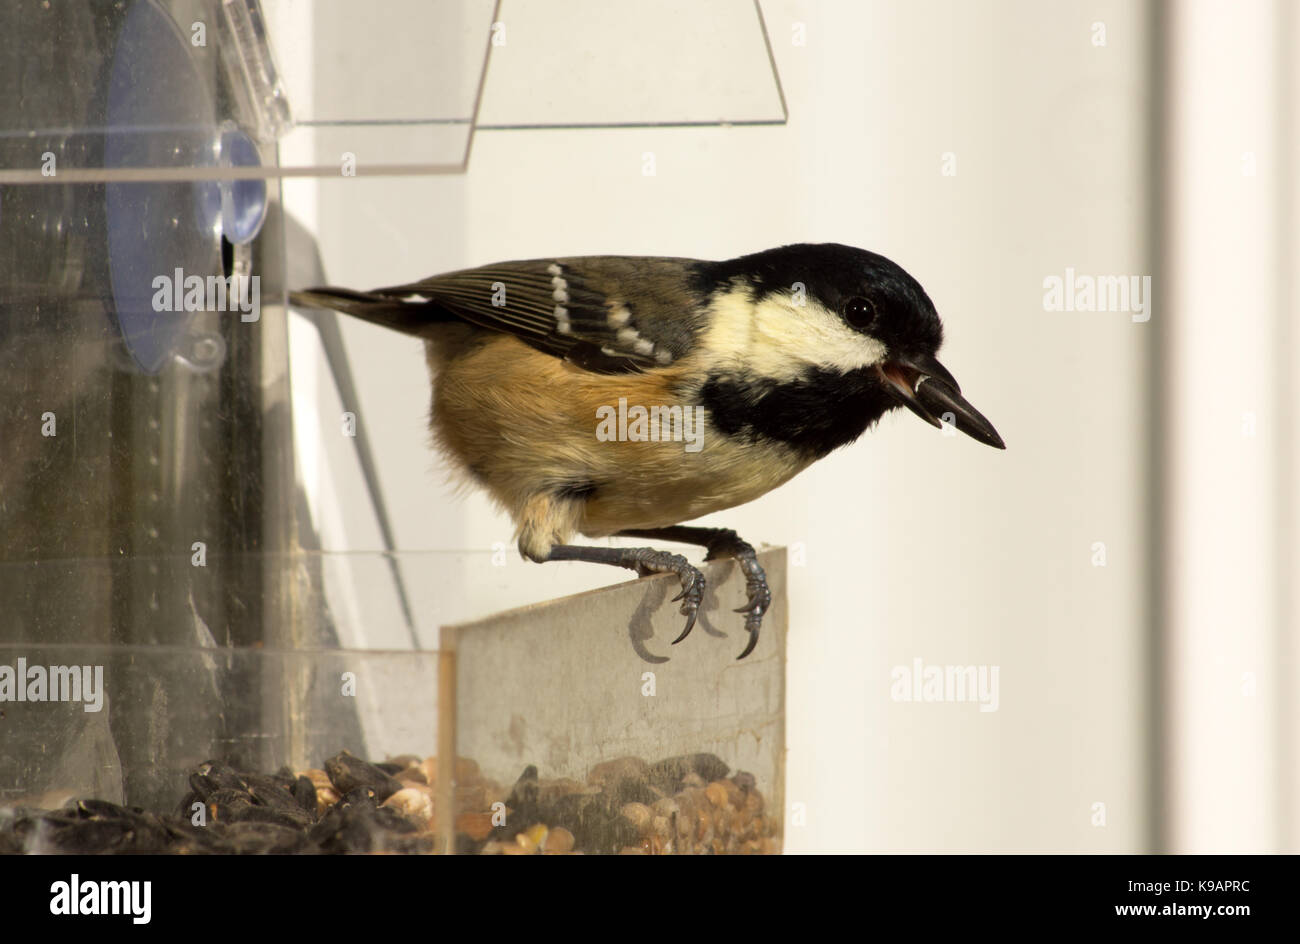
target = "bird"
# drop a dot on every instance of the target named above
(625, 395)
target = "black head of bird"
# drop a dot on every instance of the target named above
(840, 336)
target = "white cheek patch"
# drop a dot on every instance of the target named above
(780, 340)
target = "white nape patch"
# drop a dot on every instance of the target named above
(779, 340)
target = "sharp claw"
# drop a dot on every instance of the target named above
(690, 624)
(753, 641)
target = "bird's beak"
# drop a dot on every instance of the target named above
(927, 389)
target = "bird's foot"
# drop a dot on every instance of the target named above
(728, 544)
(645, 561)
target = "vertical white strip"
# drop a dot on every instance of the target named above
(1225, 170)
(291, 25)
(1288, 260)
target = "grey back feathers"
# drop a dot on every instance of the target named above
(607, 314)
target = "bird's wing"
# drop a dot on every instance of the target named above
(604, 313)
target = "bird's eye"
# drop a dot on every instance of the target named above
(859, 312)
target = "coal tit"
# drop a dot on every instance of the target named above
(605, 395)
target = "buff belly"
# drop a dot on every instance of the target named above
(523, 424)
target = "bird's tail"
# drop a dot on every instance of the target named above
(410, 317)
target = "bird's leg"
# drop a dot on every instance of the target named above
(645, 561)
(723, 542)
